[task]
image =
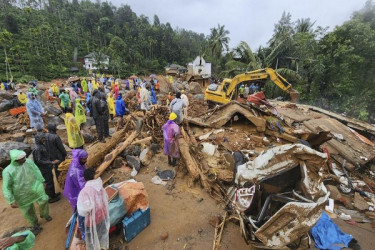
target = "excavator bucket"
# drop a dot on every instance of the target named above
(294, 95)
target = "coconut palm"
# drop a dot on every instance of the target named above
(218, 40)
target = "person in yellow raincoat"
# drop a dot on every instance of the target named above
(79, 113)
(84, 85)
(111, 105)
(22, 98)
(75, 139)
(55, 90)
(2, 87)
(95, 84)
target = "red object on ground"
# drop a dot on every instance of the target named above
(112, 229)
(257, 98)
(16, 111)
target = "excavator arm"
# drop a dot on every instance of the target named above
(260, 74)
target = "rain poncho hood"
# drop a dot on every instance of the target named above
(74, 178)
(34, 110)
(93, 205)
(80, 112)
(22, 184)
(22, 98)
(170, 132)
(73, 130)
(120, 106)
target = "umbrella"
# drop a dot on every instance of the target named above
(152, 75)
(133, 76)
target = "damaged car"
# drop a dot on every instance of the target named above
(279, 195)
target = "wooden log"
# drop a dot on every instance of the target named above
(186, 137)
(108, 159)
(98, 150)
(190, 163)
(142, 141)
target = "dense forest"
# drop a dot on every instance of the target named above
(334, 70)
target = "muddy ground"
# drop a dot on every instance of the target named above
(183, 213)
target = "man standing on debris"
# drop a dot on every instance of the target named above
(54, 147)
(45, 165)
(97, 112)
(35, 112)
(120, 110)
(144, 98)
(64, 100)
(75, 138)
(92, 207)
(111, 105)
(23, 185)
(170, 133)
(74, 178)
(186, 100)
(84, 85)
(177, 105)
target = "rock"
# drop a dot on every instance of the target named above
(208, 148)
(198, 97)
(55, 120)
(164, 236)
(89, 122)
(51, 109)
(118, 163)
(30, 131)
(8, 145)
(266, 141)
(112, 131)
(19, 137)
(335, 193)
(87, 136)
(359, 202)
(4, 95)
(61, 127)
(131, 150)
(134, 162)
(155, 148)
(146, 156)
(5, 105)
(195, 88)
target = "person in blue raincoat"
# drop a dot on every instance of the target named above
(35, 112)
(120, 109)
(153, 96)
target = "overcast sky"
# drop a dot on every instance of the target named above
(247, 20)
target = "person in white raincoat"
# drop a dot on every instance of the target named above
(93, 206)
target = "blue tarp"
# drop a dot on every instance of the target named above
(327, 235)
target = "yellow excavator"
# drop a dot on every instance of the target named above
(229, 88)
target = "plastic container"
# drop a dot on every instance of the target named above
(135, 223)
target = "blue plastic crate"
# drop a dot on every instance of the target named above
(135, 223)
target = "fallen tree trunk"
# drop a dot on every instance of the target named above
(108, 159)
(142, 141)
(97, 151)
(190, 163)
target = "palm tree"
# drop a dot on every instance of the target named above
(218, 40)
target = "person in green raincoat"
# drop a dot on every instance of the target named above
(24, 240)
(23, 186)
(64, 100)
(79, 112)
(84, 85)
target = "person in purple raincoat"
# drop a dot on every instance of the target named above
(74, 178)
(170, 133)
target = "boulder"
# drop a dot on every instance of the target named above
(198, 97)
(87, 136)
(133, 150)
(5, 105)
(134, 162)
(195, 88)
(8, 145)
(4, 95)
(55, 120)
(51, 109)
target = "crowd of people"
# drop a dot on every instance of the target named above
(27, 181)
